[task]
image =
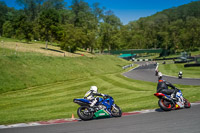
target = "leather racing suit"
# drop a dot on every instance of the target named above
(162, 87)
(90, 95)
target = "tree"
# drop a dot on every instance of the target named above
(98, 12)
(54, 4)
(47, 20)
(109, 32)
(80, 10)
(8, 30)
(23, 28)
(65, 17)
(72, 37)
(33, 7)
(3, 12)
(84, 26)
(30, 7)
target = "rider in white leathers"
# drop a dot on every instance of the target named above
(90, 95)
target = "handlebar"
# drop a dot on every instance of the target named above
(106, 96)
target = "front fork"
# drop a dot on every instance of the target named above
(114, 108)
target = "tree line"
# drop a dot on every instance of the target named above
(84, 26)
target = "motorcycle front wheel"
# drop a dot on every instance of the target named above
(84, 113)
(165, 105)
(116, 111)
(186, 103)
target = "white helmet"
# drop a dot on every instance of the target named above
(159, 75)
(94, 88)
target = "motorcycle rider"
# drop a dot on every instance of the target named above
(162, 87)
(180, 74)
(90, 95)
(156, 70)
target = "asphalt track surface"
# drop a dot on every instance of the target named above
(146, 72)
(177, 121)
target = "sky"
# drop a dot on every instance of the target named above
(128, 10)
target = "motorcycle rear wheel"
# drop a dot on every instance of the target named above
(165, 105)
(84, 113)
(116, 111)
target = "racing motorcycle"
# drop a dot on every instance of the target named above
(166, 103)
(180, 74)
(105, 107)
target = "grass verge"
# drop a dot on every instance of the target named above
(173, 70)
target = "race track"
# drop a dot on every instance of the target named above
(146, 72)
(178, 121)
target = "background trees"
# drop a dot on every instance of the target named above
(47, 21)
(3, 12)
(91, 27)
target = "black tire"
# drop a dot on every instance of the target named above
(116, 111)
(186, 103)
(84, 113)
(165, 105)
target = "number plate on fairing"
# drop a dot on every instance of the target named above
(101, 113)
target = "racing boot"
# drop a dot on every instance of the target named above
(93, 103)
(173, 97)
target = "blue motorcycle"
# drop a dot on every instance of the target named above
(105, 107)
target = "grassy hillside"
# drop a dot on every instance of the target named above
(23, 70)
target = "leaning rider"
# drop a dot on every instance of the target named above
(162, 87)
(91, 93)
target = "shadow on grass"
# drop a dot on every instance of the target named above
(52, 50)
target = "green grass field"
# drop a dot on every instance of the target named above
(173, 70)
(36, 87)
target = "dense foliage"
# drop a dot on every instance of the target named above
(80, 25)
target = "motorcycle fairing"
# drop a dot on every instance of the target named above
(160, 95)
(106, 102)
(180, 102)
(101, 113)
(82, 102)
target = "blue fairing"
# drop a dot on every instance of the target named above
(101, 99)
(168, 96)
(180, 94)
(107, 102)
(83, 100)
